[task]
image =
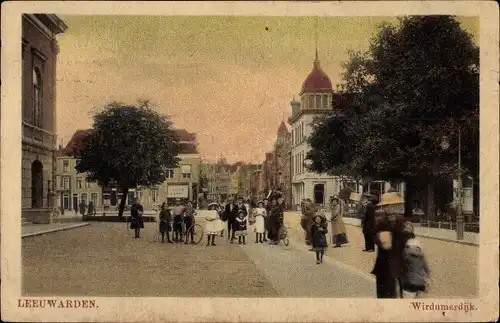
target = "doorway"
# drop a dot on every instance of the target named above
(319, 194)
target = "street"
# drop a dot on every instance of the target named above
(102, 259)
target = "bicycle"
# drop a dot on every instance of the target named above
(197, 232)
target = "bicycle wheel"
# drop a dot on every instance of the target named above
(197, 233)
(157, 237)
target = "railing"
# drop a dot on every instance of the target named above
(450, 225)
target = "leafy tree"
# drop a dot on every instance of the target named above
(418, 82)
(130, 146)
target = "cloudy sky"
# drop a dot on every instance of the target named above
(228, 79)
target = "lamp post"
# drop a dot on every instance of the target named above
(445, 144)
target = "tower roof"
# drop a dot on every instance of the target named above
(317, 81)
(282, 128)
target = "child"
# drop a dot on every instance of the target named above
(415, 270)
(189, 220)
(212, 224)
(165, 223)
(318, 234)
(240, 230)
(260, 215)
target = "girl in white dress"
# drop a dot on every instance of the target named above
(212, 224)
(260, 214)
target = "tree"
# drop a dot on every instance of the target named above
(417, 83)
(130, 146)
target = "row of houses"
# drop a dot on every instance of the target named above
(73, 188)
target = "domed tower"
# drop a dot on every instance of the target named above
(317, 91)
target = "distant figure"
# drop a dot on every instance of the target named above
(137, 223)
(91, 209)
(309, 211)
(178, 214)
(165, 223)
(189, 220)
(368, 223)
(339, 236)
(260, 214)
(213, 224)
(318, 236)
(240, 227)
(82, 207)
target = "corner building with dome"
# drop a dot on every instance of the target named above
(316, 99)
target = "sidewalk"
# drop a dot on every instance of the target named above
(39, 229)
(454, 267)
(470, 238)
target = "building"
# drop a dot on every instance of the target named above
(181, 183)
(39, 53)
(258, 184)
(216, 181)
(281, 165)
(316, 97)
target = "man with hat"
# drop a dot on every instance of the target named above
(368, 221)
(390, 239)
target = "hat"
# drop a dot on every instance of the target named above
(259, 202)
(391, 199)
(319, 215)
(213, 204)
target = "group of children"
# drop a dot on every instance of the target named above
(180, 219)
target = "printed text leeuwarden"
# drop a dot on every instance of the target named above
(56, 303)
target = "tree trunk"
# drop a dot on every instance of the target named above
(122, 202)
(430, 212)
(409, 192)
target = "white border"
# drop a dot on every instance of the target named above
(254, 309)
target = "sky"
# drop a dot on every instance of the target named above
(228, 79)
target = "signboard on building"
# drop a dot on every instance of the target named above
(178, 191)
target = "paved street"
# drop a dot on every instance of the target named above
(454, 267)
(102, 259)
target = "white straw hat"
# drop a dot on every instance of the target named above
(390, 198)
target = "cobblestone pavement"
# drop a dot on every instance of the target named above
(454, 267)
(103, 259)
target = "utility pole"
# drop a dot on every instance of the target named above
(460, 217)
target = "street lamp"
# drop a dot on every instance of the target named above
(445, 144)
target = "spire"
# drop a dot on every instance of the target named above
(316, 58)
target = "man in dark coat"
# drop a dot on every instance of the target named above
(390, 240)
(231, 212)
(136, 211)
(368, 224)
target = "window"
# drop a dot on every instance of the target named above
(87, 183)
(292, 137)
(65, 166)
(318, 102)
(94, 198)
(325, 102)
(186, 171)
(154, 194)
(37, 97)
(65, 205)
(65, 183)
(302, 132)
(170, 173)
(78, 183)
(310, 104)
(83, 198)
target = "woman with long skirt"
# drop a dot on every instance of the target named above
(339, 236)
(260, 216)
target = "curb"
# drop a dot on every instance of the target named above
(431, 237)
(34, 234)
